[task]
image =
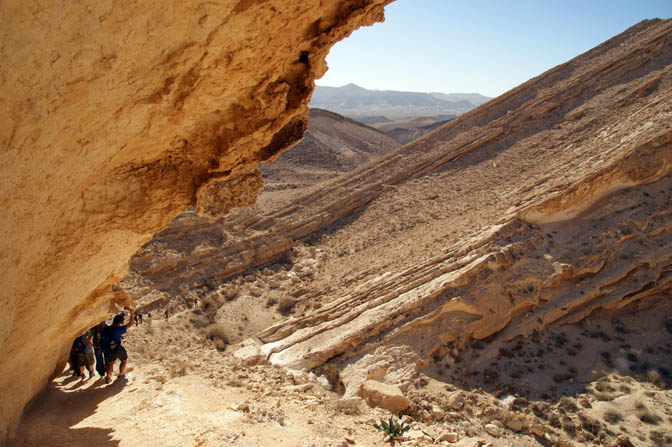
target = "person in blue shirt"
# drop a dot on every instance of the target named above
(115, 351)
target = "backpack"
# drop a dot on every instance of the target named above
(106, 342)
(77, 345)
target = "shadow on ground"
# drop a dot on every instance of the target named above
(52, 418)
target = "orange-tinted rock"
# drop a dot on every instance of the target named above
(116, 117)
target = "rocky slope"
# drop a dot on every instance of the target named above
(115, 118)
(332, 145)
(542, 207)
(408, 131)
(184, 392)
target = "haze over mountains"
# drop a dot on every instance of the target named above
(375, 106)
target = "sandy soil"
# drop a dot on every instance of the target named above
(182, 391)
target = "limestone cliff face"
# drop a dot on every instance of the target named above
(115, 117)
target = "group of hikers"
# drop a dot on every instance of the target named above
(101, 345)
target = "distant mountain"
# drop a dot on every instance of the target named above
(475, 99)
(332, 144)
(359, 103)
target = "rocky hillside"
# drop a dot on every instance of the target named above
(405, 132)
(332, 145)
(542, 207)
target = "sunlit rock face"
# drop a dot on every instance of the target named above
(115, 116)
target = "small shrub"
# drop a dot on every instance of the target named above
(286, 304)
(211, 283)
(199, 321)
(209, 305)
(590, 425)
(179, 369)
(217, 333)
(654, 377)
(612, 417)
(271, 301)
(230, 294)
(644, 415)
(659, 438)
(332, 374)
(554, 420)
(568, 405)
(392, 428)
(569, 427)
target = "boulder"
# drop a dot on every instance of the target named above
(493, 430)
(250, 352)
(449, 436)
(378, 394)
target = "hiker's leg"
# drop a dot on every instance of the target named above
(110, 368)
(123, 356)
(100, 362)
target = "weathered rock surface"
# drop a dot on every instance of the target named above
(383, 395)
(115, 118)
(540, 207)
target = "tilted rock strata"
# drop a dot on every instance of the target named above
(115, 118)
(590, 231)
(567, 211)
(586, 225)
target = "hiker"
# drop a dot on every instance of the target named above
(73, 359)
(166, 314)
(85, 355)
(135, 318)
(97, 332)
(140, 317)
(111, 342)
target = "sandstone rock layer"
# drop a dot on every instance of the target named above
(116, 117)
(567, 212)
(540, 207)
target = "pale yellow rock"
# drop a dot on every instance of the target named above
(378, 394)
(449, 437)
(514, 424)
(493, 430)
(250, 352)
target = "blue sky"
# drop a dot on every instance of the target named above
(482, 46)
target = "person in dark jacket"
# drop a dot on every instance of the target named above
(97, 332)
(114, 350)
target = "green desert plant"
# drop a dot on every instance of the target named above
(392, 428)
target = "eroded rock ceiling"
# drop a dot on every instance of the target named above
(115, 117)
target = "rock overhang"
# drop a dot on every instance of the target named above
(115, 118)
